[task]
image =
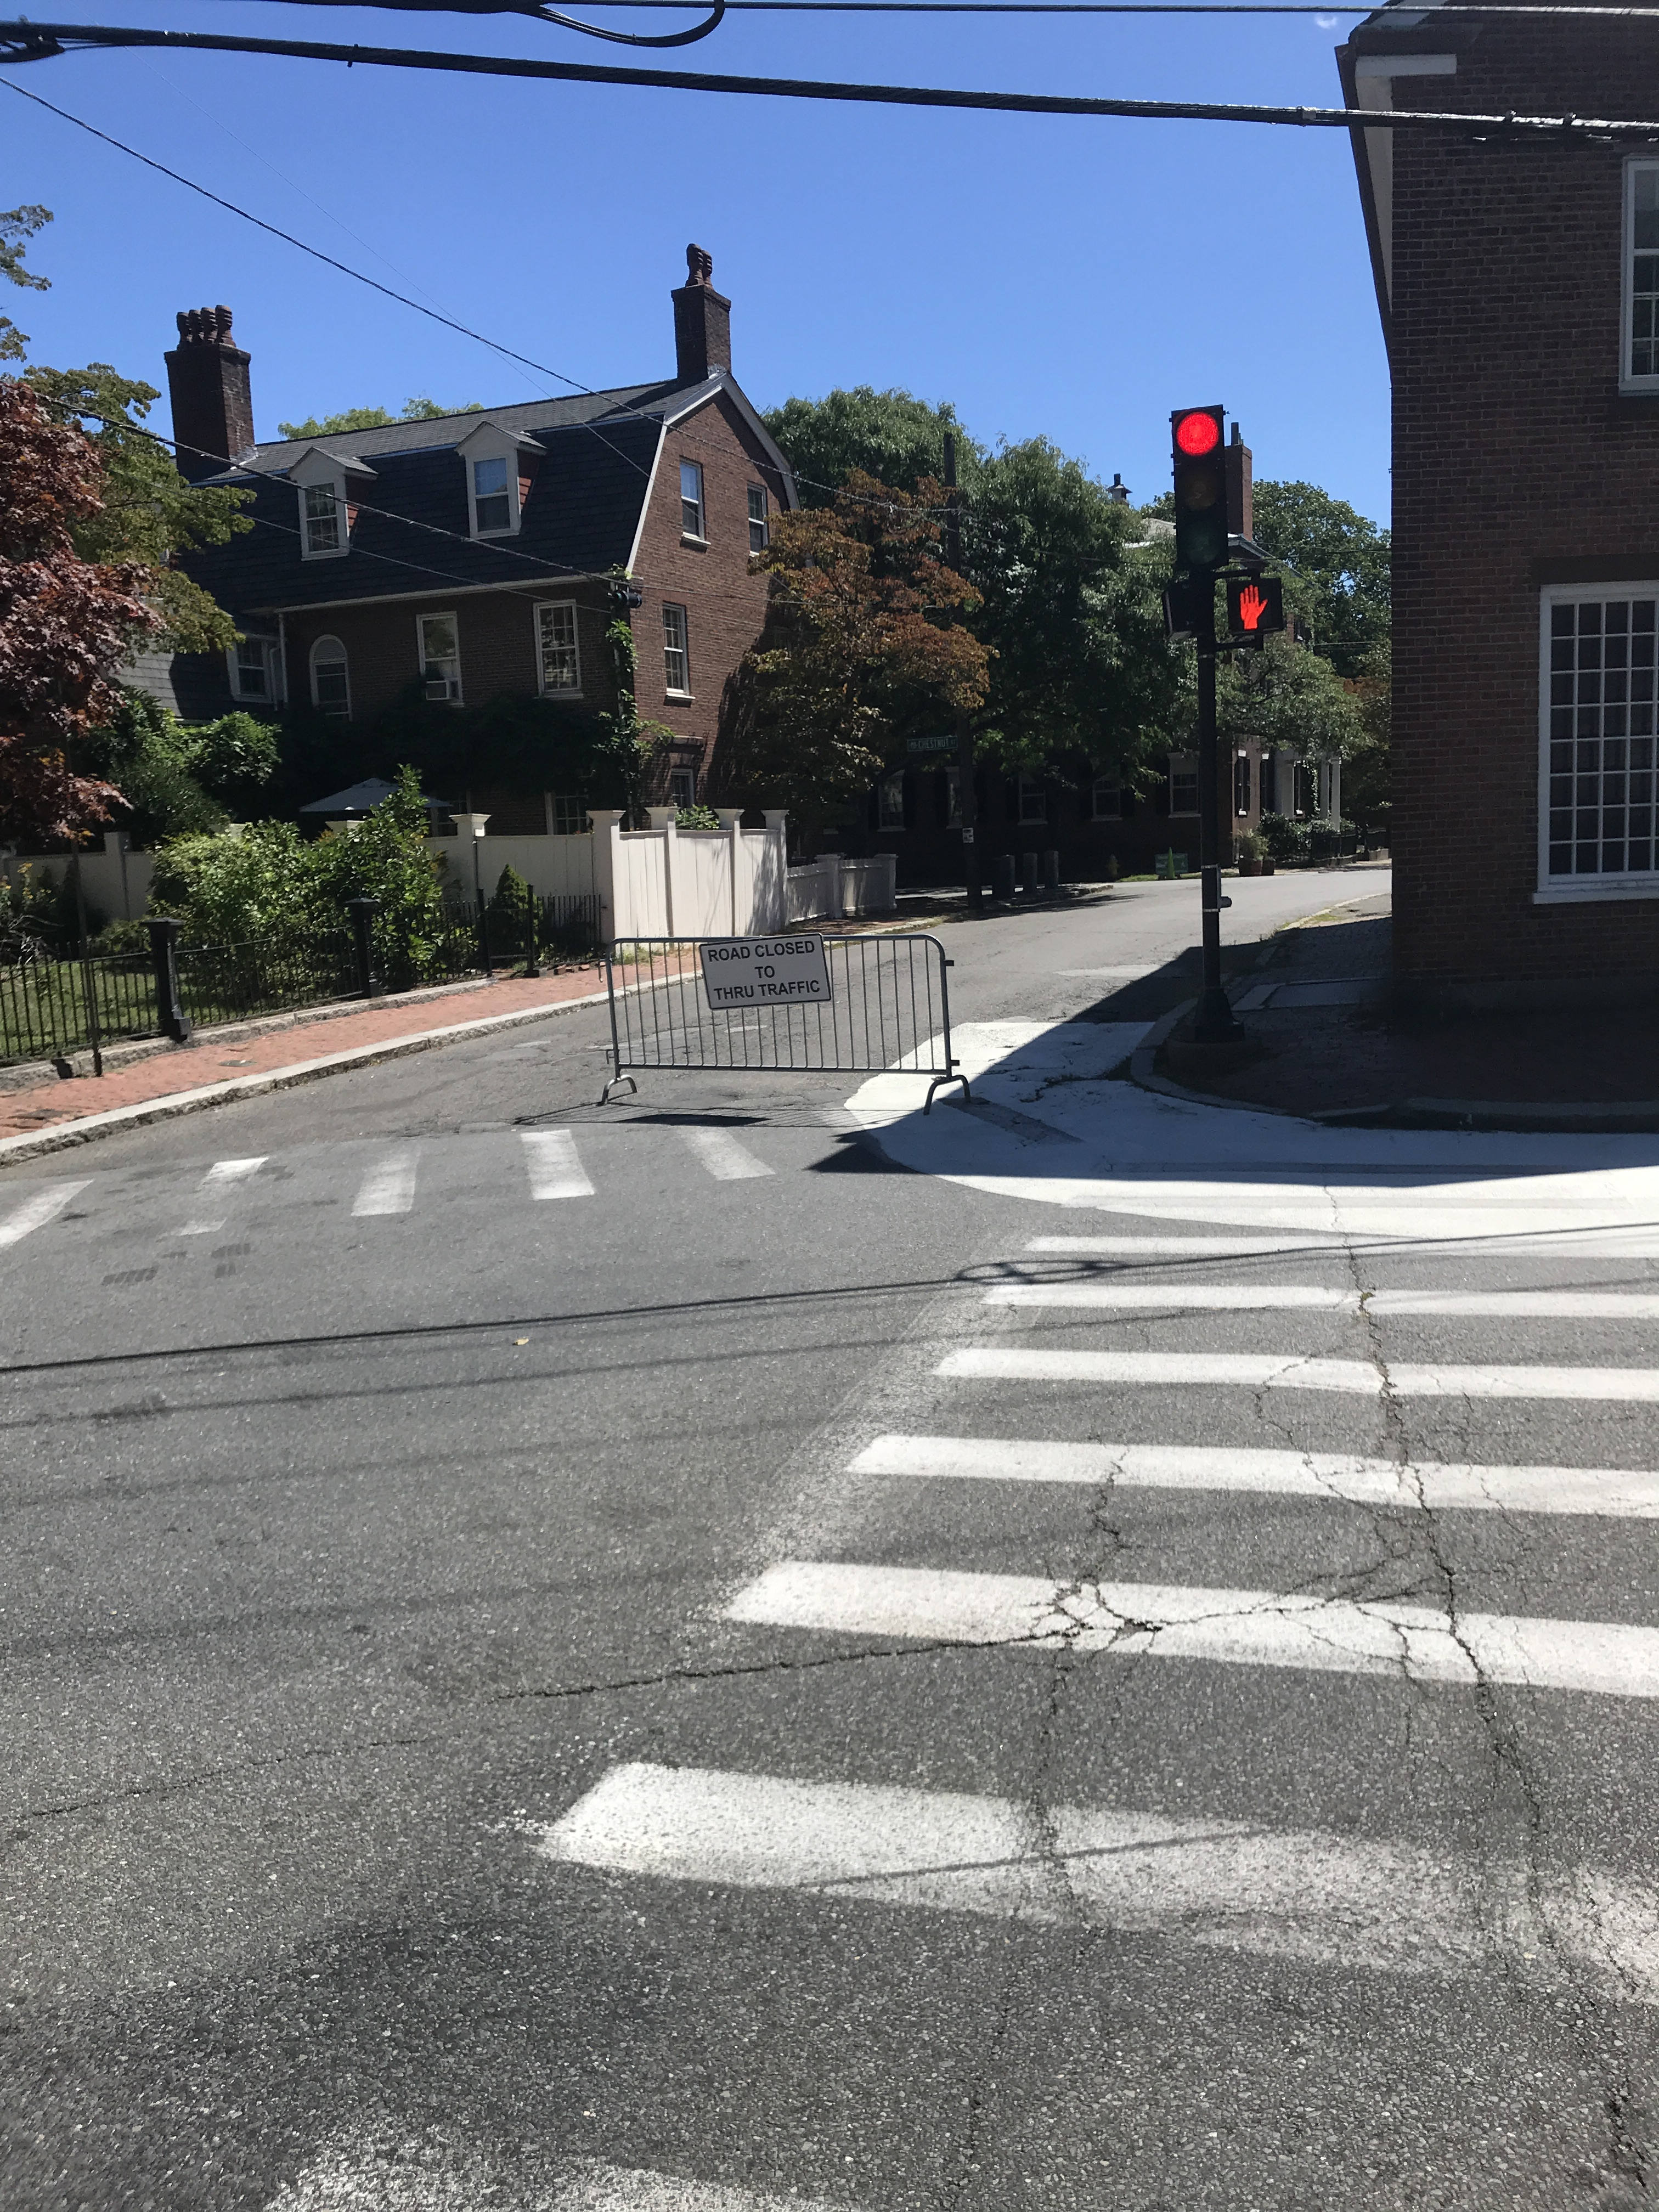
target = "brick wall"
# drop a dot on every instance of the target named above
(1516, 463)
(726, 605)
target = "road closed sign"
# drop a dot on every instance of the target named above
(739, 972)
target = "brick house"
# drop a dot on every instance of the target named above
(467, 558)
(1518, 285)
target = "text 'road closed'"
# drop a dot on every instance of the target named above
(763, 971)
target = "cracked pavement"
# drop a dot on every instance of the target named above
(334, 1583)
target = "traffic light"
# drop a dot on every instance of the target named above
(1200, 487)
(1186, 601)
(1256, 605)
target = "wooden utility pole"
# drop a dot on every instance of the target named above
(967, 793)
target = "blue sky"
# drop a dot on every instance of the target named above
(1071, 277)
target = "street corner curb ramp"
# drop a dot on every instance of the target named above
(803, 1005)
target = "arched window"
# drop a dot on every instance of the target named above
(331, 685)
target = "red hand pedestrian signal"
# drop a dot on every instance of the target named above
(1254, 607)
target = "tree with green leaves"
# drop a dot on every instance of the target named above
(17, 226)
(630, 749)
(889, 435)
(178, 779)
(418, 410)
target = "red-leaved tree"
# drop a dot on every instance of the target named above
(67, 625)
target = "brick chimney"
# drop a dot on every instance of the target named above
(212, 398)
(703, 321)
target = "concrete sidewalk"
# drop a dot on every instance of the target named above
(245, 1059)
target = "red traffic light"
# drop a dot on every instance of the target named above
(1199, 431)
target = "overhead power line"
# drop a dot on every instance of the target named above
(27, 41)
(1324, 9)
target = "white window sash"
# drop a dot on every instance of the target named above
(1573, 889)
(1628, 380)
(553, 651)
(760, 518)
(446, 666)
(691, 504)
(676, 648)
(514, 508)
(335, 657)
(336, 513)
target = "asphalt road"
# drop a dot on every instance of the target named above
(668, 1693)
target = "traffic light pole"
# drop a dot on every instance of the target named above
(1214, 1022)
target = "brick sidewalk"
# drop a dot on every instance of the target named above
(213, 1066)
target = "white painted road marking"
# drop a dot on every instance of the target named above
(1163, 1620)
(1613, 1493)
(1181, 1247)
(1229, 1884)
(45, 1204)
(725, 1159)
(219, 1176)
(1244, 1297)
(389, 1186)
(1252, 1371)
(357, 2173)
(554, 1169)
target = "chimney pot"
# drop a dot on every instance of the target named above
(703, 321)
(212, 396)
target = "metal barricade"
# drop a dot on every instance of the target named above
(885, 1006)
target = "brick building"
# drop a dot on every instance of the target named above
(467, 558)
(1518, 285)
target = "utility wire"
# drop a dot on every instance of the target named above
(616, 415)
(27, 41)
(1316, 8)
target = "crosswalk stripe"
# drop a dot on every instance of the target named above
(42, 1205)
(389, 1186)
(1244, 1298)
(1616, 1239)
(1608, 1493)
(1230, 1885)
(554, 1165)
(1272, 1370)
(356, 2176)
(1258, 1628)
(222, 1175)
(725, 1159)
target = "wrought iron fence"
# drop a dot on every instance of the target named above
(886, 1005)
(49, 1007)
(234, 983)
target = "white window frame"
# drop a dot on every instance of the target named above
(488, 441)
(890, 806)
(338, 657)
(676, 640)
(545, 610)
(691, 472)
(1103, 787)
(1576, 889)
(763, 521)
(266, 649)
(1627, 381)
(507, 464)
(1187, 770)
(1032, 802)
(682, 785)
(453, 695)
(567, 814)
(335, 486)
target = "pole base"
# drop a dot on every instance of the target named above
(1214, 1021)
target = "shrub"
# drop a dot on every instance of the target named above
(1286, 840)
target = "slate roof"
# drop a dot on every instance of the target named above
(580, 520)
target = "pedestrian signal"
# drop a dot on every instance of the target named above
(1256, 605)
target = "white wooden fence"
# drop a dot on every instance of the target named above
(832, 887)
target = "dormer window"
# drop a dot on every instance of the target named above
(320, 506)
(500, 469)
(492, 500)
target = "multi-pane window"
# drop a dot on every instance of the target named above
(1642, 271)
(559, 655)
(330, 682)
(1601, 736)
(569, 814)
(676, 650)
(1241, 783)
(1107, 799)
(683, 786)
(492, 499)
(760, 528)
(441, 658)
(319, 511)
(1033, 799)
(252, 669)
(1183, 784)
(890, 803)
(691, 499)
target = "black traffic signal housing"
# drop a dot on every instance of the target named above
(1256, 605)
(1200, 486)
(1187, 602)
